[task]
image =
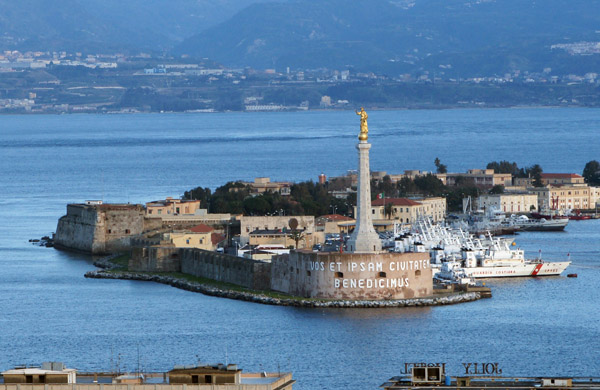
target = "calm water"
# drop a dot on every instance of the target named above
(48, 311)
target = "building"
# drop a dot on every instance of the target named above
(199, 236)
(249, 224)
(565, 197)
(210, 377)
(220, 374)
(572, 179)
(509, 202)
(404, 210)
(480, 177)
(272, 237)
(170, 206)
(264, 184)
(331, 223)
(50, 372)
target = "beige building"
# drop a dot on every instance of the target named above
(250, 224)
(406, 210)
(572, 179)
(566, 197)
(331, 223)
(269, 237)
(508, 202)
(481, 177)
(199, 236)
(170, 206)
(264, 184)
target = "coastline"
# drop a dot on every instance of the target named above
(257, 297)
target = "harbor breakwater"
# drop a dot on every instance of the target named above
(257, 297)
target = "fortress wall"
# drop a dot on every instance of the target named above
(77, 230)
(99, 229)
(224, 268)
(353, 276)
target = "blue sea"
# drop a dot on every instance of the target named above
(49, 311)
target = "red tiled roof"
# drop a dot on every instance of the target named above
(202, 228)
(395, 202)
(216, 238)
(561, 176)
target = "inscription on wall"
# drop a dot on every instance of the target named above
(381, 281)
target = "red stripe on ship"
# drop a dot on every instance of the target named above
(537, 269)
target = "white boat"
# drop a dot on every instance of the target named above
(542, 224)
(499, 261)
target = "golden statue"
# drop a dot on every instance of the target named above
(364, 129)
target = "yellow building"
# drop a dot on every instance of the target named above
(283, 237)
(480, 177)
(565, 197)
(264, 184)
(249, 224)
(406, 210)
(170, 206)
(200, 236)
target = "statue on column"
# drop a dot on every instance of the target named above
(364, 129)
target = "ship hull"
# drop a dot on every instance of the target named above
(527, 269)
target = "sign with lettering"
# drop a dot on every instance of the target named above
(368, 283)
(483, 368)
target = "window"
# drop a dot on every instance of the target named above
(109, 231)
(201, 241)
(373, 211)
(149, 211)
(159, 212)
(127, 231)
(187, 241)
(307, 273)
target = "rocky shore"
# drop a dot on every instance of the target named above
(454, 298)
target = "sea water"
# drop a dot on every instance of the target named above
(49, 311)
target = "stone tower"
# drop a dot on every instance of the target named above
(364, 239)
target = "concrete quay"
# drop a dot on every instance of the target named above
(256, 297)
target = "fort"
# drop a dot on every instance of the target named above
(362, 273)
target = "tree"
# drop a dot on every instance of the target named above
(503, 167)
(388, 210)
(430, 185)
(497, 189)
(535, 172)
(295, 234)
(441, 168)
(591, 173)
(406, 186)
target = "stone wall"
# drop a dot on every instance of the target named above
(248, 273)
(154, 258)
(99, 229)
(353, 276)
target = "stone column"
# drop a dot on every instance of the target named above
(364, 239)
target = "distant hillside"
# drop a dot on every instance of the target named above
(107, 25)
(455, 37)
